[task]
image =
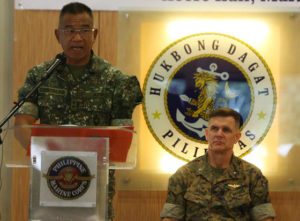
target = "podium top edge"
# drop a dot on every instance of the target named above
(43, 126)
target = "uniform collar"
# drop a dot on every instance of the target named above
(90, 69)
(96, 64)
(234, 171)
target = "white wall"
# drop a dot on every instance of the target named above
(6, 43)
(6, 39)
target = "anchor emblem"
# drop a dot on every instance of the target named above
(206, 82)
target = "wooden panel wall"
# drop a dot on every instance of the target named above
(34, 42)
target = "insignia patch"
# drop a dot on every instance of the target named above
(68, 178)
(234, 186)
(197, 74)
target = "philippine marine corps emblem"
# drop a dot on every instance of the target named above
(68, 178)
(198, 74)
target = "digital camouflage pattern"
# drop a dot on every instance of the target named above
(100, 96)
(197, 193)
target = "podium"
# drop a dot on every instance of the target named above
(65, 173)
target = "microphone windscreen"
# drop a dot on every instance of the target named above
(61, 57)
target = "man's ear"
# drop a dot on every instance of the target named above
(95, 34)
(56, 32)
(238, 136)
(206, 133)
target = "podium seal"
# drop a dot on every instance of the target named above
(68, 178)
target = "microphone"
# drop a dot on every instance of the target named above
(59, 59)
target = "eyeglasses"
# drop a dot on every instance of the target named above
(83, 32)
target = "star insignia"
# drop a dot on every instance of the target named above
(156, 115)
(261, 115)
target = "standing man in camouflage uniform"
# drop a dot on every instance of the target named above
(85, 91)
(219, 186)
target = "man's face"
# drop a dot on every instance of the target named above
(222, 133)
(76, 36)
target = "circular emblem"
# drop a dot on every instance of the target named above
(68, 178)
(198, 74)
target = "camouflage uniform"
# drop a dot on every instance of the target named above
(101, 96)
(237, 193)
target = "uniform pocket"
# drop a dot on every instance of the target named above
(195, 198)
(91, 101)
(237, 196)
(197, 205)
(51, 97)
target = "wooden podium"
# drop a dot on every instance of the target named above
(66, 175)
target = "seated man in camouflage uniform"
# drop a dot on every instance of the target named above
(219, 186)
(85, 91)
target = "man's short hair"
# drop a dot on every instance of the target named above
(227, 112)
(75, 8)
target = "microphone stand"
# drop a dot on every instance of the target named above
(60, 58)
(18, 105)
